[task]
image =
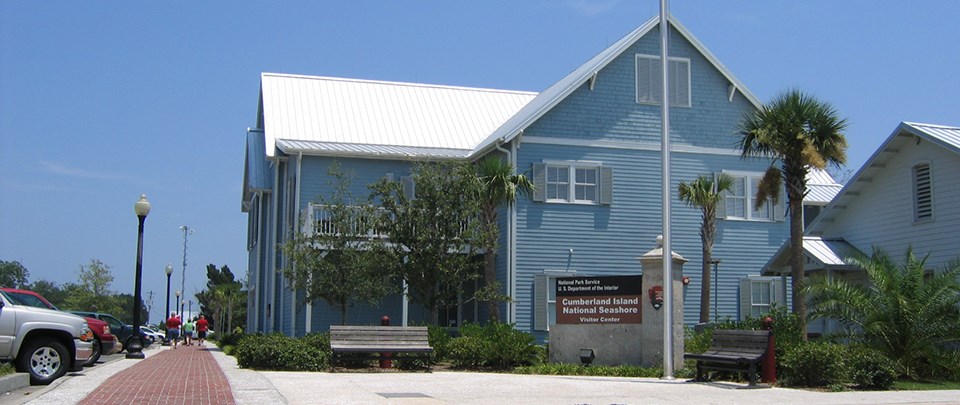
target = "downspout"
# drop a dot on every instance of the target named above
(296, 225)
(511, 237)
(274, 207)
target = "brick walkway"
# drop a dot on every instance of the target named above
(187, 375)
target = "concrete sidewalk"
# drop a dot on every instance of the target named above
(175, 375)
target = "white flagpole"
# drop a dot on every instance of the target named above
(667, 251)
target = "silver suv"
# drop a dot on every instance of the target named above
(43, 342)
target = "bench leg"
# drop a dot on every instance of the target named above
(753, 374)
(699, 372)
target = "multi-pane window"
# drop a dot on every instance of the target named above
(585, 186)
(649, 82)
(558, 183)
(923, 193)
(761, 298)
(575, 182)
(740, 201)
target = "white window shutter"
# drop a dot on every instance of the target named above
(540, 317)
(409, 188)
(680, 83)
(722, 204)
(746, 298)
(780, 208)
(606, 185)
(539, 182)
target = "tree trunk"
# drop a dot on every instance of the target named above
(705, 283)
(796, 263)
(490, 277)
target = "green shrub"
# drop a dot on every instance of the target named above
(279, 352)
(228, 339)
(319, 340)
(496, 345)
(7, 368)
(467, 351)
(813, 364)
(870, 369)
(440, 341)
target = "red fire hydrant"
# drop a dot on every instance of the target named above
(385, 361)
(768, 371)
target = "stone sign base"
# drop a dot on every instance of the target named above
(612, 345)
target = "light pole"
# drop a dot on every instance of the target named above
(169, 271)
(135, 348)
(177, 309)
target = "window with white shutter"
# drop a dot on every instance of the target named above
(649, 87)
(545, 297)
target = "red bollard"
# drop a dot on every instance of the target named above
(768, 371)
(385, 361)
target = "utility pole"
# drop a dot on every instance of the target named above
(183, 275)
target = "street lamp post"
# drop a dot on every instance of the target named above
(169, 271)
(177, 308)
(135, 348)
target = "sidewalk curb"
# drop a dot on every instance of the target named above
(14, 381)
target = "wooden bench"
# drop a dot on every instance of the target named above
(379, 339)
(732, 350)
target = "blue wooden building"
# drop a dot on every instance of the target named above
(591, 142)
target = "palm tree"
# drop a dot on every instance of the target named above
(901, 310)
(705, 192)
(498, 185)
(798, 131)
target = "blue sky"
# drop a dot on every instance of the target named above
(101, 101)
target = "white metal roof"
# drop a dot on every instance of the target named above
(363, 112)
(821, 187)
(550, 97)
(945, 136)
(821, 253)
(368, 150)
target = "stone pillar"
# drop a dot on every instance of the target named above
(651, 336)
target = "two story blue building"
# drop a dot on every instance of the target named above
(591, 142)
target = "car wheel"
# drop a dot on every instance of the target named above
(45, 359)
(97, 349)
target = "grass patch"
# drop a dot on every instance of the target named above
(597, 371)
(7, 368)
(920, 385)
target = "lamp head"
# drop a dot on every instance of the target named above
(142, 206)
(169, 269)
(587, 356)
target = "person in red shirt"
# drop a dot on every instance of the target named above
(173, 329)
(202, 326)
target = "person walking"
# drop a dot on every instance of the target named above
(188, 333)
(173, 329)
(202, 326)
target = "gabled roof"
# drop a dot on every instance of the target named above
(552, 96)
(821, 254)
(324, 110)
(254, 172)
(323, 114)
(944, 136)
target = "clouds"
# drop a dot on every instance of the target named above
(62, 170)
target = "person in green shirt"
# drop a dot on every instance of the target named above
(188, 333)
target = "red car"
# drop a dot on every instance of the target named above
(106, 343)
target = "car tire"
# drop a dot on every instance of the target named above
(97, 351)
(45, 358)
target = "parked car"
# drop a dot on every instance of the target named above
(152, 334)
(105, 342)
(43, 342)
(122, 331)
